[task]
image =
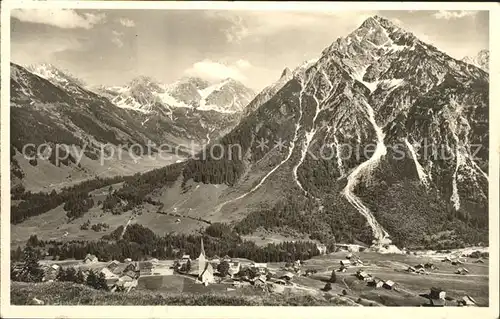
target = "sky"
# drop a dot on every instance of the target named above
(111, 47)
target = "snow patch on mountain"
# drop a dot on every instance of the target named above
(420, 170)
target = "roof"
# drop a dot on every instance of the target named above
(186, 257)
(145, 265)
(345, 261)
(437, 289)
(389, 282)
(468, 300)
(437, 302)
(126, 278)
(287, 274)
(107, 273)
(118, 269)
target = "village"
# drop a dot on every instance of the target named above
(361, 277)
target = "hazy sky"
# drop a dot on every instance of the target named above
(111, 47)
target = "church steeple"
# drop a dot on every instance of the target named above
(201, 260)
(202, 248)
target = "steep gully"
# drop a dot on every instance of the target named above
(381, 236)
(290, 151)
(310, 135)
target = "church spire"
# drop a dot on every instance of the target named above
(202, 248)
(202, 264)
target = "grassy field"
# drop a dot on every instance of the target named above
(392, 267)
(58, 293)
(53, 224)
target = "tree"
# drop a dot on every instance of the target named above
(101, 282)
(328, 287)
(31, 270)
(92, 279)
(223, 268)
(80, 278)
(333, 277)
(188, 266)
(33, 241)
(71, 274)
(16, 255)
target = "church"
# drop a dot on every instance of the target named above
(205, 269)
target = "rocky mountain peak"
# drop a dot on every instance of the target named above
(286, 73)
(481, 60)
(52, 73)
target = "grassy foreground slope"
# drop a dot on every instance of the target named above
(65, 293)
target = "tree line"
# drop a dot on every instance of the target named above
(140, 243)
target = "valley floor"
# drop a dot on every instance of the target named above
(409, 290)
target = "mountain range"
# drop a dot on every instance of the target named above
(335, 150)
(54, 107)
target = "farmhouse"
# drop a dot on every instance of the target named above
(321, 248)
(90, 259)
(108, 273)
(185, 258)
(260, 281)
(362, 275)
(351, 247)
(462, 271)
(437, 302)
(468, 301)
(437, 293)
(234, 268)
(375, 282)
(287, 276)
(388, 284)
(411, 269)
(357, 261)
(260, 267)
(112, 265)
(346, 263)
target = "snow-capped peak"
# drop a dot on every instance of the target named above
(144, 94)
(481, 60)
(54, 74)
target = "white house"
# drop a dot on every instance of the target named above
(90, 259)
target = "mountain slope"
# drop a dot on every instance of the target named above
(51, 106)
(368, 89)
(83, 124)
(341, 149)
